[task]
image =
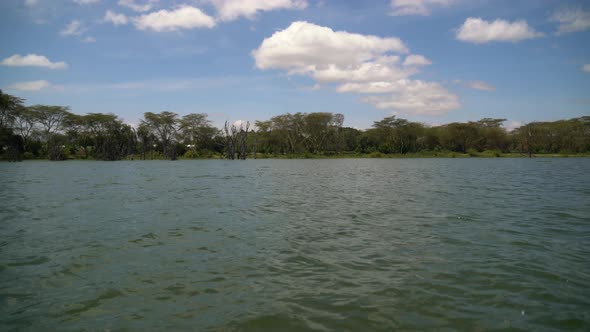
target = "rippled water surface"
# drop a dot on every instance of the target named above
(279, 245)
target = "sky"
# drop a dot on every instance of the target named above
(431, 61)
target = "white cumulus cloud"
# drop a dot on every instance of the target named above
(228, 10)
(586, 68)
(306, 47)
(138, 7)
(115, 18)
(29, 86)
(184, 17)
(356, 63)
(571, 20)
(478, 31)
(416, 7)
(32, 60)
(74, 28)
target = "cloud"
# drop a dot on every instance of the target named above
(478, 31)
(131, 4)
(31, 3)
(407, 96)
(513, 124)
(480, 85)
(32, 60)
(416, 7)
(304, 47)
(242, 124)
(586, 68)
(382, 68)
(74, 28)
(86, 2)
(89, 39)
(29, 86)
(228, 10)
(416, 60)
(571, 20)
(115, 18)
(184, 17)
(315, 87)
(357, 63)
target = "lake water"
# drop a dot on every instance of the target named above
(279, 245)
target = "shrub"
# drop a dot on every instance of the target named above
(191, 154)
(376, 154)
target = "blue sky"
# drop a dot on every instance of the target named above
(433, 61)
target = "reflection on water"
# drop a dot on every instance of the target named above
(295, 245)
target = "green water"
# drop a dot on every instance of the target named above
(279, 245)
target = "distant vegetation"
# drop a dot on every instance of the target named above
(54, 133)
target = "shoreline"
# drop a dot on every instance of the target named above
(361, 156)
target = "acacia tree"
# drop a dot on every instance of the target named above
(52, 120)
(11, 145)
(79, 134)
(287, 130)
(25, 124)
(491, 135)
(9, 106)
(145, 139)
(113, 139)
(317, 130)
(164, 125)
(195, 129)
(337, 123)
(529, 136)
(395, 135)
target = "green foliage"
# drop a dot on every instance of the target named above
(52, 132)
(191, 155)
(376, 155)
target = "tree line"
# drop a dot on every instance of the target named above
(55, 133)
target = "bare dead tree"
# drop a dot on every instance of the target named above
(236, 141)
(243, 141)
(230, 140)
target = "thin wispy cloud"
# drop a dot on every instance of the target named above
(73, 28)
(29, 86)
(480, 85)
(138, 5)
(115, 18)
(417, 7)
(571, 20)
(31, 3)
(228, 10)
(86, 2)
